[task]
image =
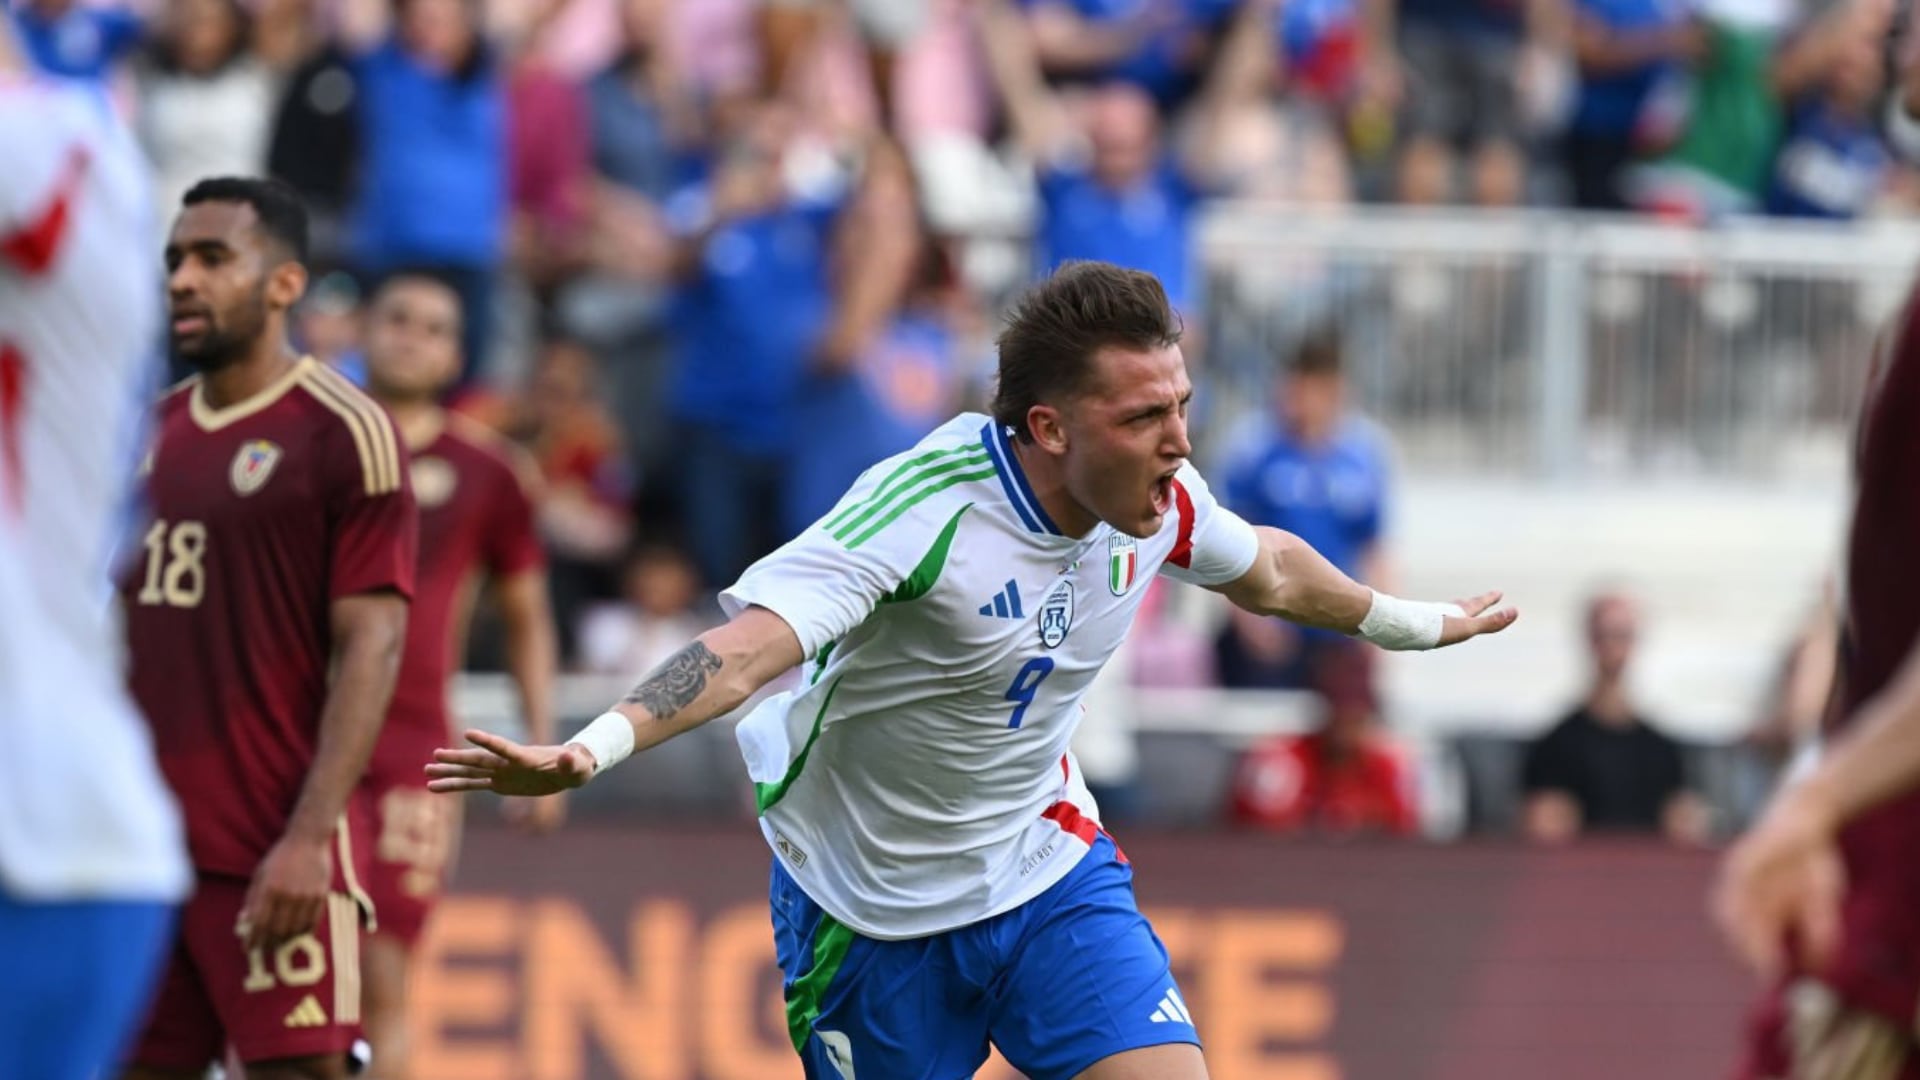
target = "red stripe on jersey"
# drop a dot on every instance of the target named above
(1182, 554)
(13, 405)
(1069, 818)
(1066, 774)
(31, 248)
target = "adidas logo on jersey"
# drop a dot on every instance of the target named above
(1172, 1010)
(1005, 603)
(307, 1014)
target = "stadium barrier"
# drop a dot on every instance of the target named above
(630, 953)
(1547, 344)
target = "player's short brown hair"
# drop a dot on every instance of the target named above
(1056, 328)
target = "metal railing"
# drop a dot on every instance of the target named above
(1555, 345)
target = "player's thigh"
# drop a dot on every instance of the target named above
(1804, 1031)
(1173, 1061)
(416, 833)
(856, 1006)
(295, 1000)
(1089, 980)
(81, 977)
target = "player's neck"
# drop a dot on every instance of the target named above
(247, 376)
(420, 420)
(1608, 703)
(1051, 490)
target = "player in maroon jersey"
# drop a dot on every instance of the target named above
(265, 618)
(476, 521)
(1823, 895)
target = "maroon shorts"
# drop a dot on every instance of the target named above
(415, 835)
(1804, 1030)
(297, 999)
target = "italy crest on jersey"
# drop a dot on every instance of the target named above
(253, 465)
(1122, 561)
(1056, 615)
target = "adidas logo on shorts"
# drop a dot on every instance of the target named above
(1172, 1010)
(307, 1014)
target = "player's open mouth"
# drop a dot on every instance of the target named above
(1163, 494)
(188, 323)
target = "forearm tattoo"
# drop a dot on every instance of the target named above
(676, 682)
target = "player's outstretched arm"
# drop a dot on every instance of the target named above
(1785, 875)
(713, 675)
(1290, 579)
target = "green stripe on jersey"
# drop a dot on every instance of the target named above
(920, 582)
(765, 795)
(901, 506)
(886, 489)
(831, 940)
(855, 518)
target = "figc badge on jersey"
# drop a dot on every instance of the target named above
(253, 465)
(1122, 561)
(1056, 615)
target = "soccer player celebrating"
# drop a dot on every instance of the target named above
(265, 616)
(92, 859)
(940, 877)
(1822, 896)
(475, 516)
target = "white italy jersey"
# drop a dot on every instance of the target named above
(921, 780)
(83, 810)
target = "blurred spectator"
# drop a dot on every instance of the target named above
(327, 325)
(1160, 46)
(1633, 57)
(1832, 161)
(205, 99)
(1478, 75)
(431, 113)
(657, 615)
(788, 28)
(315, 144)
(1719, 165)
(549, 163)
(76, 40)
(1344, 778)
(887, 377)
(584, 516)
(1109, 189)
(755, 303)
(1603, 768)
(1322, 474)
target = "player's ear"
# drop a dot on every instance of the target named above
(1048, 427)
(286, 285)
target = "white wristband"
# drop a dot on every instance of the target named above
(1405, 625)
(609, 738)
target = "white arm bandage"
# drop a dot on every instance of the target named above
(609, 739)
(1405, 625)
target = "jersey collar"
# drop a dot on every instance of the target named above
(999, 444)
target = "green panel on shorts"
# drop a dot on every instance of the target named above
(831, 940)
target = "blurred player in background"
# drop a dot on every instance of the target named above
(91, 856)
(265, 616)
(1823, 895)
(941, 880)
(476, 519)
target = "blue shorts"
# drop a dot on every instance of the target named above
(1070, 977)
(79, 978)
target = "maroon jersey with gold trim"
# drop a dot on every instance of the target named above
(1879, 964)
(263, 513)
(476, 518)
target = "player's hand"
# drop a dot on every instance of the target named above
(288, 893)
(535, 816)
(1782, 881)
(1481, 618)
(505, 767)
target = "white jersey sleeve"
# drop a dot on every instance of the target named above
(1215, 545)
(826, 581)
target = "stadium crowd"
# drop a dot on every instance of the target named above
(716, 256)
